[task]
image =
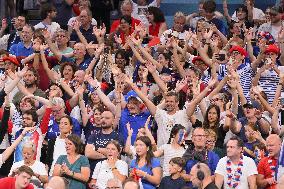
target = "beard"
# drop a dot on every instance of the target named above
(104, 126)
(30, 85)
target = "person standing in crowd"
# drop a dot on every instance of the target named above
(96, 145)
(73, 166)
(48, 13)
(146, 166)
(6, 41)
(235, 169)
(267, 167)
(111, 168)
(174, 181)
(198, 152)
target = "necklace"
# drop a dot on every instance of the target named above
(234, 177)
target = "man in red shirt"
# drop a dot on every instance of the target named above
(267, 167)
(20, 181)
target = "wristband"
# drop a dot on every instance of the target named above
(37, 52)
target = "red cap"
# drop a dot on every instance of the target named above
(11, 59)
(239, 49)
(272, 48)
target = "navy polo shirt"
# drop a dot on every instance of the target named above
(136, 122)
(83, 66)
(20, 50)
(88, 34)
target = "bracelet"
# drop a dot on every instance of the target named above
(73, 173)
(36, 52)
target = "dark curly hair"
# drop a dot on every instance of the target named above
(158, 14)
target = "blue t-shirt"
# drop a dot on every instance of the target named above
(83, 66)
(155, 162)
(53, 128)
(136, 122)
(20, 50)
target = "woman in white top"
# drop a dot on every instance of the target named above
(174, 148)
(56, 147)
(110, 168)
(40, 174)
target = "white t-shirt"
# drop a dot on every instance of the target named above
(140, 12)
(103, 172)
(169, 153)
(59, 149)
(37, 167)
(51, 28)
(258, 14)
(166, 122)
(248, 169)
(71, 20)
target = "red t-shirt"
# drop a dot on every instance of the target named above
(264, 169)
(154, 30)
(9, 183)
(116, 23)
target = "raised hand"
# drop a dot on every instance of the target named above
(212, 82)
(150, 67)
(117, 39)
(4, 24)
(91, 45)
(281, 35)
(181, 84)
(28, 129)
(129, 129)
(76, 25)
(22, 72)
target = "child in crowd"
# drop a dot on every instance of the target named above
(174, 181)
(253, 137)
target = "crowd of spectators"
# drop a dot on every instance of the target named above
(87, 102)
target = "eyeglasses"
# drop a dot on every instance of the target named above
(210, 141)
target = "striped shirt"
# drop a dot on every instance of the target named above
(245, 73)
(269, 80)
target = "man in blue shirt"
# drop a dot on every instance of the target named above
(134, 113)
(24, 48)
(96, 146)
(209, 9)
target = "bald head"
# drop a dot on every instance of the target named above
(114, 183)
(131, 185)
(273, 145)
(57, 183)
(202, 167)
